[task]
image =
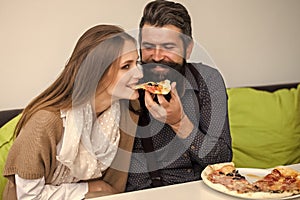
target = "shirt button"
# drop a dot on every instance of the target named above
(185, 155)
(189, 170)
(193, 147)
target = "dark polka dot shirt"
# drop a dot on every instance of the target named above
(182, 160)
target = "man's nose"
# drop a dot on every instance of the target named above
(158, 54)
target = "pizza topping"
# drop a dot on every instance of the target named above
(163, 87)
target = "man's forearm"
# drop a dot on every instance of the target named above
(183, 128)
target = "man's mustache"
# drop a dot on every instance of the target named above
(162, 64)
(151, 66)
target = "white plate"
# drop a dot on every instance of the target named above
(252, 175)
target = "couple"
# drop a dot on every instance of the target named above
(87, 131)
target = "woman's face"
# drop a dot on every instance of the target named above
(128, 74)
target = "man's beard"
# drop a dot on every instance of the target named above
(175, 73)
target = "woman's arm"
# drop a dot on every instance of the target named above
(36, 189)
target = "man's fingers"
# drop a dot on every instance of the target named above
(150, 104)
(156, 110)
(174, 90)
(173, 85)
(148, 99)
(161, 99)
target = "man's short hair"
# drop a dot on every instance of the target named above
(160, 13)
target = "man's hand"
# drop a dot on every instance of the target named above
(170, 112)
(165, 112)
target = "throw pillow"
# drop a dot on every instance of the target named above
(265, 127)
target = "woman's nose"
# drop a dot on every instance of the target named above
(138, 73)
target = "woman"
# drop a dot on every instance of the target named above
(71, 139)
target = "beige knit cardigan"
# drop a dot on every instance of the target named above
(45, 128)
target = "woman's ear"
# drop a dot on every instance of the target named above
(189, 49)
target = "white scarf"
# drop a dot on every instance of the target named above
(88, 147)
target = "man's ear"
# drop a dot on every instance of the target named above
(189, 49)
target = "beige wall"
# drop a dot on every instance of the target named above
(252, 42)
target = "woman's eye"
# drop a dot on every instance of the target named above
(125, 66)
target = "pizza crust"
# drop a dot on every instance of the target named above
(286, 171)
(250, 195)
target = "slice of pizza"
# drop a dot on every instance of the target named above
(227, 175)
(162, 87)
(280, 180)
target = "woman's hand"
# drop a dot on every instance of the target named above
(101, 186)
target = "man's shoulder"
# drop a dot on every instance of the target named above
(204, 68)
(210, 76)
(205, 71)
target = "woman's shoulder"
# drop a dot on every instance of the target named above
(45, 121)
(45, 117)
(44, 113)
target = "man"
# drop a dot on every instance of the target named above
(180, 135)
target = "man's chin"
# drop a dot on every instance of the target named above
(160, 71)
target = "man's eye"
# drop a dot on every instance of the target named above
(169, 47)
(148, 46)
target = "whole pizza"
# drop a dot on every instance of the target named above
(279, 182)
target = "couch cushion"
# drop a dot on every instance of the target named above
(6, 140)
(265, 127)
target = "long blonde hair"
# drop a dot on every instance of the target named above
(94, 54)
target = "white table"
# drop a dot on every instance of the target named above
(190, 191)
(195, 190)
